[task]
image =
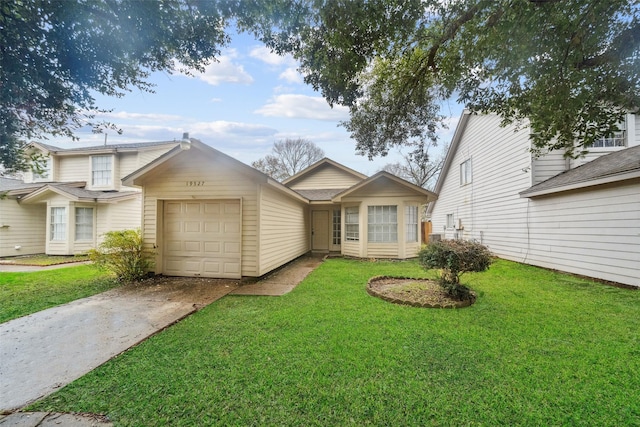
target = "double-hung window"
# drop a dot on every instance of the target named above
(58, 224)
(465, 172)
(84, 223)
(450, 223)
(352, 224)
(618, 139)
(101, 167)
(411, 223)
(383, 224)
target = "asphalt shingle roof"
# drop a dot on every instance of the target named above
(616, 163)
(318, 195)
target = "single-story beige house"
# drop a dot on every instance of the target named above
(208, 214)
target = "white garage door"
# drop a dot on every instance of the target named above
(202, 238)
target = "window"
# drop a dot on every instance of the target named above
(618, 139)
(383, 224)
(58, 223)
(336, 227)
(450, 223)
(45, 172)
(84, 223)
(101, 171)
(411, 223)
(352, 224)
(465, 172)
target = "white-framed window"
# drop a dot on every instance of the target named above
(618, 139)
(465, 172)
(352, 224)
(58, 224)
(45, 173)
(450, 223)
(84, 223)
(101, 168)
(382, 224)
(411, 223)
(336, 227)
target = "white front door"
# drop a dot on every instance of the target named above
(320, 231)
(202, 238)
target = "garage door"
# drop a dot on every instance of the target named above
(202, 238)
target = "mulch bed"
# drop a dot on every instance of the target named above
(414, 292)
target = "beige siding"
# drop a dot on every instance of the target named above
(118, 216)
(193, 175)
(327, 176)
(128, 163)
(73, 168)
(147, 156)
(284, 229)
(22, 225)
(594, 233)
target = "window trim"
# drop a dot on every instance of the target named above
(411, 229)
(384, 228)
(466, 172)
(450, 224)
(351, 227)
(336, 229)
(621, 135)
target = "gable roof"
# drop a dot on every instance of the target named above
(79, 194)
(102, 149)
(617, 166)
(16, 187)
(133, 179)
(320, 163)
(384, 174)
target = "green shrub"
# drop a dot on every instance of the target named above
(123, 253)
(454, 258)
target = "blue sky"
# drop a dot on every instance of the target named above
(241, 105)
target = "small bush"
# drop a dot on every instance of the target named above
(454, 258)
(123, 253)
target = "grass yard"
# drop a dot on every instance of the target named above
(26, 293)
(44, 260)
(537, 348)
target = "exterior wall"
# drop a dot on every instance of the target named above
(118, 216)
(325, 177)
(594, 233)
(400, 249)
(22, 225)
(284, 228)
(192, 174)
(73, 168)
(489, 208)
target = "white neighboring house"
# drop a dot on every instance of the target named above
(575, 215)
(76, 199)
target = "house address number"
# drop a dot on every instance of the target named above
(195, 183)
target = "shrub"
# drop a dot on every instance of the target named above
(123, 253)
(454, 258)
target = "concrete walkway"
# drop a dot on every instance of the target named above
(43, 352)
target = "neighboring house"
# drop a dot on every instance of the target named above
(78, 197)
(575, 215)
(207, 214)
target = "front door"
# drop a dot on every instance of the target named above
(320, 231)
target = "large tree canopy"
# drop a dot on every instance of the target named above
(288, 158)
(54, 54)
(569, 67)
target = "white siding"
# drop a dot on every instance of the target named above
(548, 165)
(594, 233)
(284, 229)
(215, 179)
(22, 225)
(324, 177)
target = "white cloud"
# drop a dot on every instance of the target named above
(265, 55)
(124, 115)
(303, 107)
(291, 75)
(226, 70)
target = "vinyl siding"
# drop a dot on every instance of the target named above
(284, 229)
(325, 177)
(118, 216)
(73, 168)
(26, 227)
(220, 180)
(594, 232)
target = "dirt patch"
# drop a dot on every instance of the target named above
(414, 292)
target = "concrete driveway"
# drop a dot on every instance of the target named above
(44, 351)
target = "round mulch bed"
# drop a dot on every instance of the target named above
(414, 292)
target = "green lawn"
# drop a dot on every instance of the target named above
(43, 260)
(26, 293)
(537, 348)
